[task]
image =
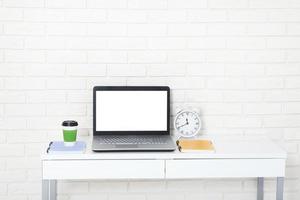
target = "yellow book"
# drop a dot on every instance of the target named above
(185, 145)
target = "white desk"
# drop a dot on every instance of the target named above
(234, 158)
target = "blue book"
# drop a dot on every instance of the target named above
(58, 147)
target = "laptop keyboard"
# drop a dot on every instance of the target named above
(132, 140)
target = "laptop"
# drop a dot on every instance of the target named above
(131, 118)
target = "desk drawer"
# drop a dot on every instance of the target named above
(223, 168)
(104, 169)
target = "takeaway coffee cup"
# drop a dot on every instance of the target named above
(69, 132)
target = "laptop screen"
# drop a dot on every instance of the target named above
(131, 110)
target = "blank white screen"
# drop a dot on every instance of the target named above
(131, 110)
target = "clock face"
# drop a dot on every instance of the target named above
(187, 123)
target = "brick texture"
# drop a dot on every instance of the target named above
(236, 61)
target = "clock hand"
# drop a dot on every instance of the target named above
(187, 121)
(182, 125)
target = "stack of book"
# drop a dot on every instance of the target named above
(186, 145)
(58, 147)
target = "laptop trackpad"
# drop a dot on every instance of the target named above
(126, 146)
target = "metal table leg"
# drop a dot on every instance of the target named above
(48, 189)
(279, 188)
(45, 190)
(260, 188)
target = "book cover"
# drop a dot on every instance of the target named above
(195, 145)
(58, 147)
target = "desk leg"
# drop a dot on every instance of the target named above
(260, 188)
(48, 189)
(279, 188)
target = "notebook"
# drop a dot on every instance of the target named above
(58, 147)
(185, 145)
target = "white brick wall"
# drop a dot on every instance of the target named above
(237, 61)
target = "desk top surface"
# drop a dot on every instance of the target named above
(225, 148)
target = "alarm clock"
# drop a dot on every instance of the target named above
(187, 123)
